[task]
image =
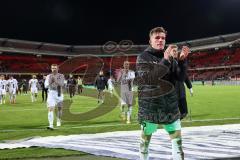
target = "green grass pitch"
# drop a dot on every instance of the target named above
(210, 105)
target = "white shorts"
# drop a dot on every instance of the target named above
(110, 89)
(3, 92)
(126, 98)
(53, 98)
(34, 90)
(12, 91)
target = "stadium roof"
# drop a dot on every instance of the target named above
(110, 48)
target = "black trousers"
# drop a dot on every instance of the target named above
(44, 94)
(80, 89)
(71, 91)
(182, 104)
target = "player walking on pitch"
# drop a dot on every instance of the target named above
(12, 89)
(101, 85)
(54, 82)
(126, 77)
(3, 89)
(33, 83)
(110, 85)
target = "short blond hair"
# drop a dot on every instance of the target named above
(126, 62)
(157, 30)
(54, 65)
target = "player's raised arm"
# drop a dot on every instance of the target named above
(29, 83)
(119, 75)
(46, 83)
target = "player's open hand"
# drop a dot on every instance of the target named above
(52, 80)
(184, 53)
(167, 53)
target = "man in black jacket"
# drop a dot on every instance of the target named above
(180, 89)
(71, 83)
(44, 89)
(182, 101)
(101, 84)
(157, 97)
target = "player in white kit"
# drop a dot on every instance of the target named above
(54, 82)
(126, 78)
(12, 89)
(110, 85)
(33, 83)
(3, 85)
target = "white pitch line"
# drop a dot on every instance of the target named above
(208, 120)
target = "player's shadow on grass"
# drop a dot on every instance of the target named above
(22, 127)
(109, 104)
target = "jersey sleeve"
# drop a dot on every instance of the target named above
(119, 75)
(61, 80)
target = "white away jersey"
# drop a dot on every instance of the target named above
(3, 84)
(126, 80)
(12, 84)
(110, 84)
(33, 83)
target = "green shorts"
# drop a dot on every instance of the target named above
(150, 128)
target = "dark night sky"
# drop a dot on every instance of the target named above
(94, 23)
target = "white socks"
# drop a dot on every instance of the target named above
(144, 145)
(129, 113)
(58, 122)
(50, 118)
(122, 110)
(10, 98)
(59, 115)
(34, 97)
(177, 152)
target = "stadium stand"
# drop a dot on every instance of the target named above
(215, 58)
